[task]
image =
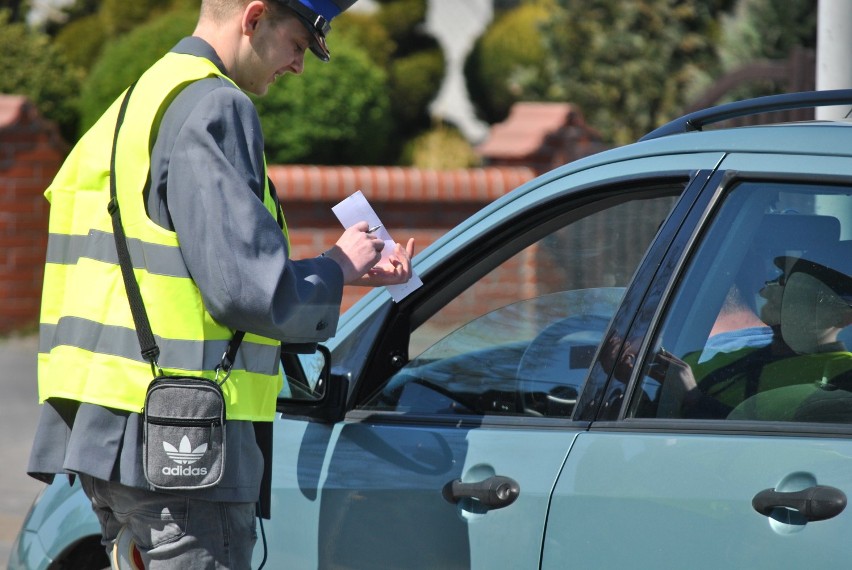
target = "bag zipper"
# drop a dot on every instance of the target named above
(184, 422)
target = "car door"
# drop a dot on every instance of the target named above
(460, 421)
(727, 444)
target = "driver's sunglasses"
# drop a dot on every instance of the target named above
(781, 280)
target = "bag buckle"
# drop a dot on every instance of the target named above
(225, 365)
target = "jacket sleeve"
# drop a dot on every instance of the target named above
(232, 245)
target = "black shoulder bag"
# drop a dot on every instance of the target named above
(183, 443)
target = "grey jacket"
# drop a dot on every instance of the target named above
(207, 184)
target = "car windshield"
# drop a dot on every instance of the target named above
(527, 358)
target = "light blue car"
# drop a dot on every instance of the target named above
(636, 360)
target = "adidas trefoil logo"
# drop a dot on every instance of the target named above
(186, 456)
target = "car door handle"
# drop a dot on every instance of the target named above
(495, 492)
(815, 503)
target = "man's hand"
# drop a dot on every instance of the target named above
(668, 367)
(358, 253)
(394, 270)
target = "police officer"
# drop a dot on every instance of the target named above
(210, 250)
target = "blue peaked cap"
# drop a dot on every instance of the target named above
(326, 8)
(316, 15)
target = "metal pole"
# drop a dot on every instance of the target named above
(834, 46)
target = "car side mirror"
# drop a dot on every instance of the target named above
(310, 391)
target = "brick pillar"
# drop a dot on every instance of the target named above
(31, 152)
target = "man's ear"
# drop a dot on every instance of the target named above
(252, 14)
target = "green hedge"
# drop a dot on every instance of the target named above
(416, 79)
(335, 113)
(81, 40)
(631, 65)
(34, 67)
(442, 147)
(402, 17)
(123, 60)
(119, 16)
(366, 31)
(393, 36)
(508, 61)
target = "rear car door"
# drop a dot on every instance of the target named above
(459, 424)
(723, 440)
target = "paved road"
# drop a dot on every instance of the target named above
(18, 416)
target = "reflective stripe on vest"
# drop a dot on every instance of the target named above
(89, 350)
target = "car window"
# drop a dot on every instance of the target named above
(759, 327)
(520, 340)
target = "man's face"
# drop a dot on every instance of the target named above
(812, 313)
(274, 47)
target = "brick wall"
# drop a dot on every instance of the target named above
(31, 152)
(422, 204)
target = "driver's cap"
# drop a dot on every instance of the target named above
(317, 16)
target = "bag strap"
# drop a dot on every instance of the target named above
(147, 342)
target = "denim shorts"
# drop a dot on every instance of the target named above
(172, 531)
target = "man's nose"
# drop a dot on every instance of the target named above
(299, 64)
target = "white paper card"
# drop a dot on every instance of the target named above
(355, 209)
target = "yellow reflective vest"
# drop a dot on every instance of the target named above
(89, 351)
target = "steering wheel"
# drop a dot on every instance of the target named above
(563, 349)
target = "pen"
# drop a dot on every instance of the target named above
(374, 228)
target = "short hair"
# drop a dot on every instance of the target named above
(220, 10)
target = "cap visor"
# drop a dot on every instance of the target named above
(318, 45)
(319, 48)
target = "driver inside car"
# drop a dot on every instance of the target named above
(812, 303)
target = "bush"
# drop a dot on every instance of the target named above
(335, 113)
(764, 29)
(123, 60)
(401, 17)
(441, 148)
(393, 37)
(508, 61)
(363, 30)
(415, 80)
(119, 16)
(81, 41)
(33, 67)
(631, 65)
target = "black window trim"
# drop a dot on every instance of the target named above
(601, 382)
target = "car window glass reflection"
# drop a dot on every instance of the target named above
(521, 339)
(528, 358)
(760, 328)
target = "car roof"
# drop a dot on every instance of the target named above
(829, 138)
(687, 133)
